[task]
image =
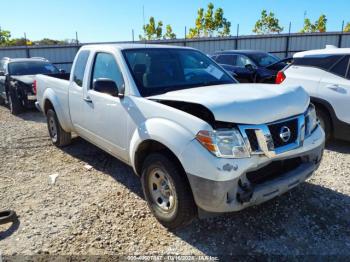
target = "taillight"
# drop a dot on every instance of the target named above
(34, 87)
(280, 77)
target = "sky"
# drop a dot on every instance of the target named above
(114, 20)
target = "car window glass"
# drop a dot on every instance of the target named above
(157, 71)
(80, 66)
(340, 67)
(226, 59)
(105, 66)
(242, 61)
(320, 61)
(32, 68)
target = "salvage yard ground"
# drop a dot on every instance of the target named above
(101, 210)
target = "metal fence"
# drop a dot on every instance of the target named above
(282, 45)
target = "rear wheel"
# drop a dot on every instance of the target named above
(325, 122)
(167, 191)
(59, 137)
(15, 104)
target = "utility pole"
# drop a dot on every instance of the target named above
(340, 39)
(25, 42)
(76, 38)
(133, 35)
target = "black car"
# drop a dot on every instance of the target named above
(17, 75)
(249, 66)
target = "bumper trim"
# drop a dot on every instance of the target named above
(223, 196)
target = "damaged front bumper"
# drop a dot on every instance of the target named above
(226, 185)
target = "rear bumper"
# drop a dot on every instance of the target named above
(239, 192)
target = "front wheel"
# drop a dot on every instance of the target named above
(58, 136)
(167, 191)
(15, 104)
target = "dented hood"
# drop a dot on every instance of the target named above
(245, 103)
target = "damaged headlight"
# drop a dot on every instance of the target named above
(224, 143)
(311, 121)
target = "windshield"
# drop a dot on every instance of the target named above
(32, 68)
(264, 59)
(158, 71)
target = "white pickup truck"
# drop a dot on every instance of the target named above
(198, 140)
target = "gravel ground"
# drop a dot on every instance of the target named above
(101, 210)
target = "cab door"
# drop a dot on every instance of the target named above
(334, 88)
(106, 115)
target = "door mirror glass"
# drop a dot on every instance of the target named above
(106, 86)
(2, 73)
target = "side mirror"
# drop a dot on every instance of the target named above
(62, 71)
(249, 67)
(106, 86)
(2, 73)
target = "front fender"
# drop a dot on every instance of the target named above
(62, 112)
(170, 134)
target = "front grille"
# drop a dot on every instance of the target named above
(253, 141)
(275, 130)
(273, 170)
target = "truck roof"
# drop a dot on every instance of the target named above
(131, 46)
(329, 50)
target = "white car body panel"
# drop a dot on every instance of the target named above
(245, 103)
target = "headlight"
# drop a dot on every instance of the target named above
(310, 120)
(224, 143)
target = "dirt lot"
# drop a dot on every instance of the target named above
(101, 210)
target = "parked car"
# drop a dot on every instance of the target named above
(325, 74)
(17, 81)
(198, 140)
(250, 66)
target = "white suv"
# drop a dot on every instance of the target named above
(325, 74)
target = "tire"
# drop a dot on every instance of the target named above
(15, 104)
(7, 217)
(59, 137)
(181, 209)
(325, 122)
(2, 101)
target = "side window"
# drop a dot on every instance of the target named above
(80, 66)
(340, 67)
(226, 59)
(105, 66)
(323, 62)
(242, 61)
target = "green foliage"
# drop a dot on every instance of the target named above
(267, 24)
(169, 33)
(4, 37)
(347, 27)
(319, 26)
(151, 31)
(48, 41)
(210, 23)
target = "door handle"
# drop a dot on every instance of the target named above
(333, 87)
(87, 100)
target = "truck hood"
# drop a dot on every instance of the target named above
(27, 79)
(245, 103)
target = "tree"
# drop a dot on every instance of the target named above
(169, 33)
(151, 31)
(210, 23)
(4, 37)
(267, 24)
(319, 26)
(347, 27)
